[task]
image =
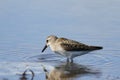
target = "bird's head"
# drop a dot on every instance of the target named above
(49, 41)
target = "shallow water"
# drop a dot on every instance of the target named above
(24, 26)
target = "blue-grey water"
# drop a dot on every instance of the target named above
(25, 24)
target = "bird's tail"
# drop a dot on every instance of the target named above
(96, 47)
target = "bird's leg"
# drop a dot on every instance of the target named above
(71, 60)
(67, 59)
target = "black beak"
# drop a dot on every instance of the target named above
(44, 48)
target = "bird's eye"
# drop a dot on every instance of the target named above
(47, 41)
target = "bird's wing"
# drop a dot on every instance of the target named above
(71, 45)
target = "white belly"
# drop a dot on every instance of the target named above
(71, 54)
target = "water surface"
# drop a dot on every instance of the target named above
(24, 26)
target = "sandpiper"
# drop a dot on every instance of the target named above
(68, 48)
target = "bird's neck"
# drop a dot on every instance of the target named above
(52, 46)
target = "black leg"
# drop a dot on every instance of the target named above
(67, 59)
(71, 60)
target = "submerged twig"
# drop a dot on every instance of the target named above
(24, 75)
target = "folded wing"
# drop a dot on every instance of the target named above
(71, 45)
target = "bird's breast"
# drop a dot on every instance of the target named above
(57, 48)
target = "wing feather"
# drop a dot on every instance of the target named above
(71, 45)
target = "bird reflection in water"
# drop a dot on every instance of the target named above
(69, 71)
